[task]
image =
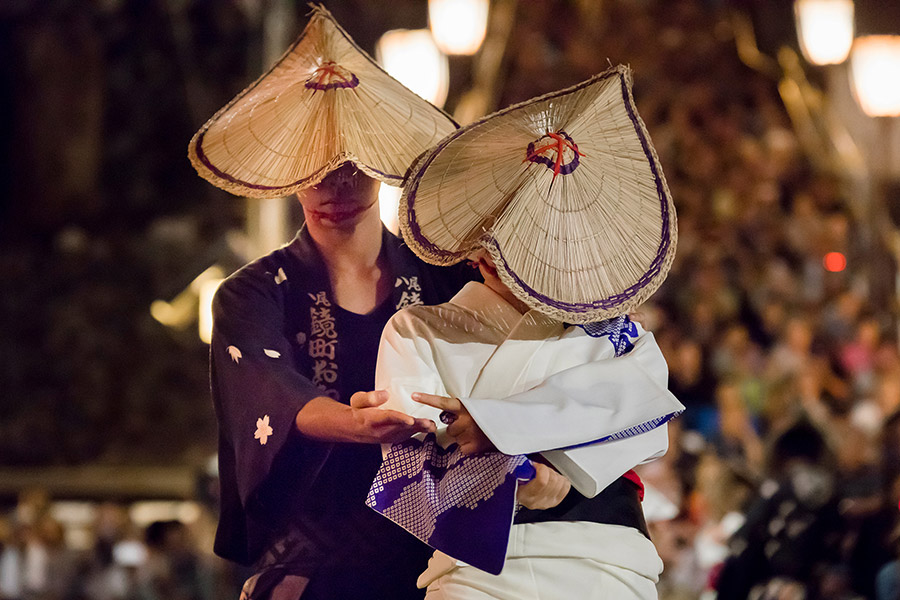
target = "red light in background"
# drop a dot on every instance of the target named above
(834, 262)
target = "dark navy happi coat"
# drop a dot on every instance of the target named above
(279, 340)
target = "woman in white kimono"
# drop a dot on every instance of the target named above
(503, 368)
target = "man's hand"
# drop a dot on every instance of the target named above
(546, 490)
(363, 421)
(464, 430)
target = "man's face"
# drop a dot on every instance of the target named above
(341, 199)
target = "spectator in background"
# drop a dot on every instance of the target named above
(736, 439)
(691, 383)
(110, 574)
(879, 541)
(173, 570)
(12, 586)
(857, 356)
(793, 527)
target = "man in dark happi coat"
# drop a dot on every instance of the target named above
(296, 332)
(288, 343)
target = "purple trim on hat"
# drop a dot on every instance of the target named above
(564, 169)
(573, 307)
(201, 156)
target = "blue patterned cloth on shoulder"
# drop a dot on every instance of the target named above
(619, 330)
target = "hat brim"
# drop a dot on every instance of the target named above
(325, 102)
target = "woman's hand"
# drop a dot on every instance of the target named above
(546, 490)
(462, 427)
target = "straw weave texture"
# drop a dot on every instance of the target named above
(323, 103)
(582, 246)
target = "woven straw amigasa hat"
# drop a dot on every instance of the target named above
(325, 102)
(566, 193)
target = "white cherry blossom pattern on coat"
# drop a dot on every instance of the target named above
(280, 277)
(235, 354)
(272, 353)
(263, 431)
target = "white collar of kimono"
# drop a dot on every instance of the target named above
(495, 311)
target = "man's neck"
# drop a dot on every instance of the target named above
(360, 281)
(352, 248)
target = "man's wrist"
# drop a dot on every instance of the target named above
(316, 419)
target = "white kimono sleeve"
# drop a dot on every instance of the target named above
(406, 365)
(625, 397)
(621, 396)
(593, 467)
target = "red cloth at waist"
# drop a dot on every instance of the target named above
(633, 478)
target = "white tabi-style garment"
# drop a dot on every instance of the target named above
(534, 385)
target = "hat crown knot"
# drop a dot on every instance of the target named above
(331, 75)
(556, 151)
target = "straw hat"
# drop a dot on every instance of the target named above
(566, 193)
(324, 102)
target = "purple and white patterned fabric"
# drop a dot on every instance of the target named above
(461, 505)
(619, 330)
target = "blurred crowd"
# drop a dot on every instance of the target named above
(783, 476)
(108, 552)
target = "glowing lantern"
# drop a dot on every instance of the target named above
(458, 26)
(876, 74)
(825, 29)
(411, 57)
